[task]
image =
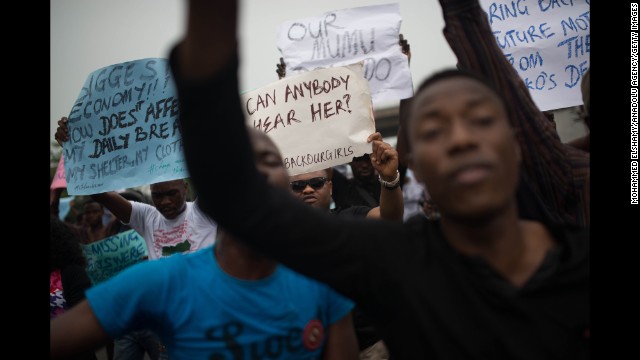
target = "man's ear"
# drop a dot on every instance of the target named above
(330, 185)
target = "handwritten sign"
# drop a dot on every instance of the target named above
(317, 119)
(344, 37)
(547, 42)
(124, 130)
(107, 257)
(59, 179)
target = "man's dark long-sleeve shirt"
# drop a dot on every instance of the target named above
(427, 300)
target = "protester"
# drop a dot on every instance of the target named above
(172, 225)
(222, 303)
(93, 228)
(478, 283)
(554, 172)
(315, 189)
(68, 279)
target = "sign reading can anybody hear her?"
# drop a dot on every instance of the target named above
(318, 119)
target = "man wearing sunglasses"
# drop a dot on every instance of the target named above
(316, 188)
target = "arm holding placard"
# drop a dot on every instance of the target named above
(118, 205)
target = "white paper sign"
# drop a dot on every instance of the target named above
(318, 119)
(343, 37)
(547, 42)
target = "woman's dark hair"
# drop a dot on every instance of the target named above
(64, 246)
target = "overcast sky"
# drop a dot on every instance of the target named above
(89, 34)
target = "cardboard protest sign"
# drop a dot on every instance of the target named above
(107, 257)
(124, 130)
(317, 119)
(336, 38)
(547, 42)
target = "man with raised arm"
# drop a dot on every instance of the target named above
(478, 283)
(172, 225)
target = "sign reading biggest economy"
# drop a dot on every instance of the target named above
(318, 119)
(124, 130)
(547, 42)
(336, 38)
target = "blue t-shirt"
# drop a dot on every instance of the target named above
(200, 312)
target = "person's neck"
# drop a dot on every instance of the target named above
(513, 247)
(239, 261)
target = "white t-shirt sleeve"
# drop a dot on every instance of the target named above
(140, 214)
(204, 226)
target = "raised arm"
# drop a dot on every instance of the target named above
(118, 205)
(270, 219)
(210, 42)
(384, 159)
(76, 331)
(556, 172)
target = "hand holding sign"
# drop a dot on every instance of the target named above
(62, 133)
(336, 38)
(406, 48)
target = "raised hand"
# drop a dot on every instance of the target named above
(281, 69)
(406, 48)
(384, 157)
(62, 133)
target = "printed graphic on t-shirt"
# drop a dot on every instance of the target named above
(290, 340)
(182, 247)
(173, 239)
(57, 303)
(274, 346)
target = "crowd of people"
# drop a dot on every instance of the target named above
(470, 239)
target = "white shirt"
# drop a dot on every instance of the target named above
(188, 232)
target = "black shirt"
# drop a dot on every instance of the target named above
(427, 300)
(348, 192)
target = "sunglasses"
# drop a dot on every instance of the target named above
(316, 183)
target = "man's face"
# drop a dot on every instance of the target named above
(170, 197)
(463, 148)
(362, 168)
(93, 214)
(268, 159)
(316, 192)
